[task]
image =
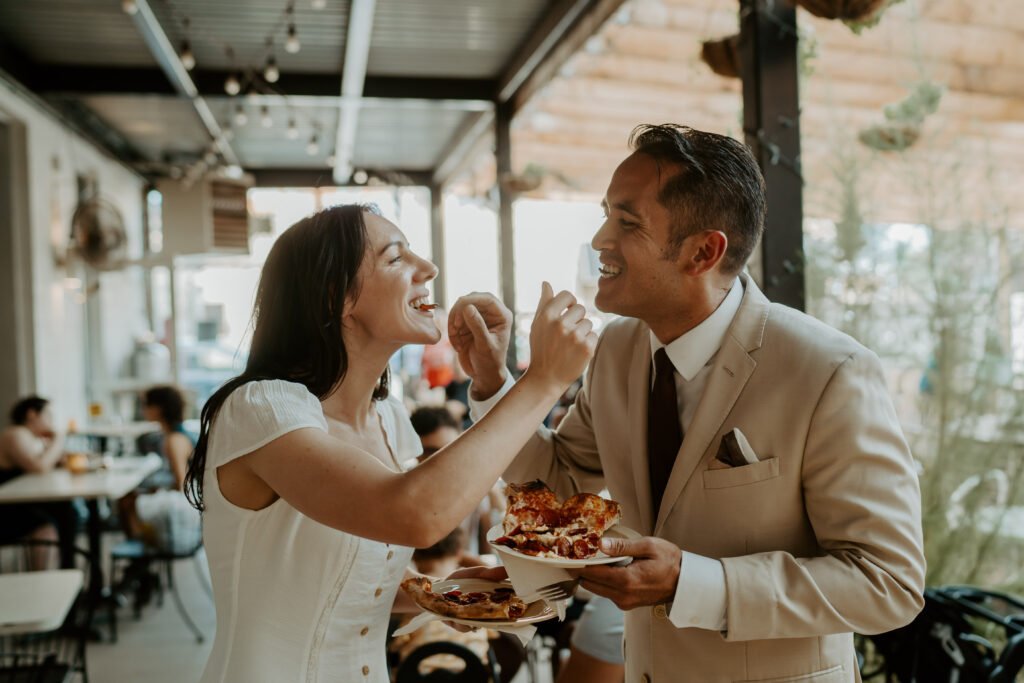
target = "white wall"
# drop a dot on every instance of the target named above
(56, 156)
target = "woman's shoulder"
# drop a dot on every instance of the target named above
(272, 401)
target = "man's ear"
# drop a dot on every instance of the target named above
(704, 251)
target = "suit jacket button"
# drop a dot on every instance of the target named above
(660, 611)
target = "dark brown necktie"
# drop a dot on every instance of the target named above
(664, 433)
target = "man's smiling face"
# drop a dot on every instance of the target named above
(639, 274)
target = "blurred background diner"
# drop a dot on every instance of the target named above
(151, 152)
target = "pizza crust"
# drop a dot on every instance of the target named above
(500, 603)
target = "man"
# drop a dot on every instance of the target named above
(32, 444)
(763, 550)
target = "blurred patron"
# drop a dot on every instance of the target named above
(32, 444)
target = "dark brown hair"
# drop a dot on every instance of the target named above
(309, 273)
(716, 185)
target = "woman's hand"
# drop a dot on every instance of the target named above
(562, 340)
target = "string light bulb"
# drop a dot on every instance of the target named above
(291, 43)
(229, 133)
(330, 160)
(266, 120)
(129, 7)
(314, 146)
(360, 177)
(270, 72)
(232, 86)
(318, 4)
(188, 60)
(293, 131)
(240, 117)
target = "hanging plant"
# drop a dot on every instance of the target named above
(903, 120)
(722, 55)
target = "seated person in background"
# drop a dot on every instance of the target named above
(165, 519)
(32, 444)
(437, 427)
(441, 559)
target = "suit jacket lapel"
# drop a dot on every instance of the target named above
(732, 367)
(639, 391)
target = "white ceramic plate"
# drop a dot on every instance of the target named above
(617, 531)
(535, 611)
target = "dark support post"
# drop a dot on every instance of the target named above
(506, 240)
(437, 245)
(771, 122)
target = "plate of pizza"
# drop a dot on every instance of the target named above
(540, 528)
(476, 602)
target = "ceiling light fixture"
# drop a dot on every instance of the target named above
(232, 86)
(291, 43)
(266, 120)
(129, 7)
(360, 177)
(240, 117)
(318, 4)
(188, 60)
(293, 131)
(270, 72)
(314, 146)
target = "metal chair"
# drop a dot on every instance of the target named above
(56, 655)
(474, 671)
(954, 639)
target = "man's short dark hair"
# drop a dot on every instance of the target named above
(169, 401)
(19, 413)
(428, 420)
(717, 186)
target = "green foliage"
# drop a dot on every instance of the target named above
(933, 300)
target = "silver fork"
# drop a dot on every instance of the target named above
(563, 590)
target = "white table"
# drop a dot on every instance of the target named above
(113, 482)
(36, 602)
(120, 477)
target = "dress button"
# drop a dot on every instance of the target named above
(366, 670)
(377, 592)
(366, 629)
(660, 612)
(391, 553)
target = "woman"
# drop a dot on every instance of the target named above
(310, 515)
(164, 518)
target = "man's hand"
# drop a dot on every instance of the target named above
(479, 327)
(650, 579)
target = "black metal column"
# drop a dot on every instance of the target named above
(506, 240)
(771, 122)
(437, 245)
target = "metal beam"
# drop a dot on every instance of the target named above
(540, 41)
(771, 123)
(167, 57)
(460, 148)
(306, 177)
(559, 34)
(506, 236)
(353, 76)
(437, 253)
(94, 80)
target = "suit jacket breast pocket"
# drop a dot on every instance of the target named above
(741, 476)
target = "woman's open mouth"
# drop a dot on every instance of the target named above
(423, 304)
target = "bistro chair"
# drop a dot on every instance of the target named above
(963, 635)
(473, 672)
(57, 655)
(178, 542)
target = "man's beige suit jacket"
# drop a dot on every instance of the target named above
(819, 539)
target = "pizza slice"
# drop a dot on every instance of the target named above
(500, 604)
(537, 524)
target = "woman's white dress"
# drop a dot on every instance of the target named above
(296, 601)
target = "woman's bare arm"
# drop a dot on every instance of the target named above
(348, 489)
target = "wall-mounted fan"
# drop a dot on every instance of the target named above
(97, 234)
